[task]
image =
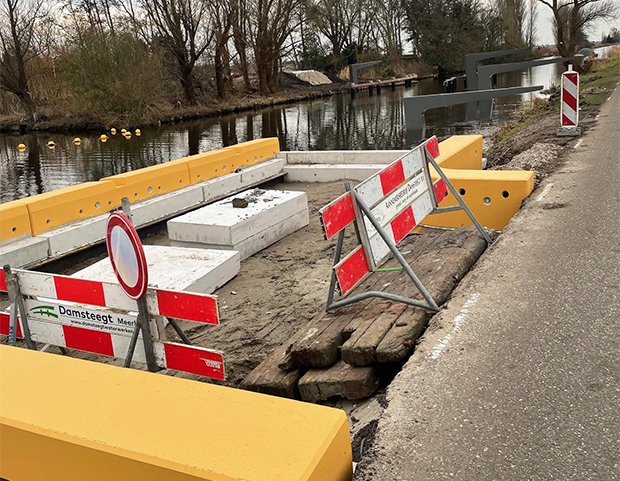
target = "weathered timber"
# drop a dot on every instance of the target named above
(360, 349)
(440, 276)
(320, 346)
(340, 380)
(268, 378)
(400, 339)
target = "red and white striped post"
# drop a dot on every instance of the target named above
(569, 105)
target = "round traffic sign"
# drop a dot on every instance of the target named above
(127, 255)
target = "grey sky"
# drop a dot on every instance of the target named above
(545, 30)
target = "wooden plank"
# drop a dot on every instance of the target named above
(341, 380)
(443, 270)
(401, 338)
(269, 378)
(319, 346)
(360, 349)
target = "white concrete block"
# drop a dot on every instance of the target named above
(329, 172)
(177, 268)
(260, 241)
(342, 156)
(24, 252)
(246, 177)
(163, 206)
(76, 235)
(223, 226)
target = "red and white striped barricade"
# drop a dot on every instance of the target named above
(99, 318)
(569, 104)
(385, 208)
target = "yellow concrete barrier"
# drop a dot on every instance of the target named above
(494, 196)
(14, 220)
(212, 164)
(68, 419)
(461, 152)
(257, 150)
(155, 180)
(61, 206)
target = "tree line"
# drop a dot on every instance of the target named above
(136, 56)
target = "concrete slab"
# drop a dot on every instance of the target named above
(177, 268)
(245, 178)
(158, 208)
(76, 235)
(330, 172)
(269, 216)
(260, 241)
(342, 156)
(24, 252)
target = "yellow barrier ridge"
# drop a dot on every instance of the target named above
(151, 181)
(494, 197)
(14, 221)
(461, 152)
(256, 151)
(59, 207)
(69, 419)
(209, 165)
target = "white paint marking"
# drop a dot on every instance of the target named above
(544, 192)
(457, 321)
(578, 144)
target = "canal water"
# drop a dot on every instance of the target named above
(336, 122)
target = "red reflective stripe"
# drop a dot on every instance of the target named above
(79, 290)
(194, 360)
(567, 121)
(572, 77)
(186, 306)
(4, 325)
(337, 216)
(2, 282)
(433, 147)
(402, 224)
(441, 191)
(392, 177)
(352, 270)
(88, 340)
(569, 100)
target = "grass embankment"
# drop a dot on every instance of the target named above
(540, 121)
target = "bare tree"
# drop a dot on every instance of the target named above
(336, 20)
(271, 23)
(572, 17)
(240, 38)
(530, 24)
(223, 16)
(180, 27)
(22, 40)
(512, 13)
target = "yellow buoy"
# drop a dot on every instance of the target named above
(138, 132)
(123, 131)
(104, 138)
(113, 131)
(77, 141)
(128, 135)
(21, 147)
(51, 144)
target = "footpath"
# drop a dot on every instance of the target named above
(518, 378)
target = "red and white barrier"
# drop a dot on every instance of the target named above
(569, 106)
(168, 355)
(109, 331)
(179, 305)
(399, 198)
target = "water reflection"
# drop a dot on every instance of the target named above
(337, 122)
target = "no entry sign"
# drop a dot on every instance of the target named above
(126, 255)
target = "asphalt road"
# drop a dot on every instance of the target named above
(519, 377)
